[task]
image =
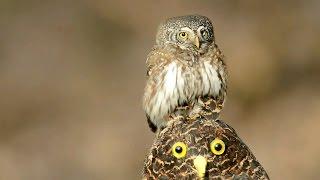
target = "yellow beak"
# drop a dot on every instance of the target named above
(196, 41)
(200, 163)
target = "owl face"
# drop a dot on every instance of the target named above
(192, 31)
(201, 149)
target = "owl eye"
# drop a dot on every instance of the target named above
(217, 146)
(183, 35)
(204, 34)
(179, 150)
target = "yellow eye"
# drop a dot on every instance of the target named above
(183, 35)
(217, 146)
(179, 150)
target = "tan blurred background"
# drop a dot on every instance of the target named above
(72, 75)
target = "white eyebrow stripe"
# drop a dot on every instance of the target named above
(201, 27)
(186, 29)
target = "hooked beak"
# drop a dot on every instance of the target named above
(196, 42)
(200, 163)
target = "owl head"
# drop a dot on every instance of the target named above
(191, 31)
(200, 149)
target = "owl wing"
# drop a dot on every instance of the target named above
(218, 59)
(157, 60)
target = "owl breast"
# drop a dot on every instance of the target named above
(176, 84)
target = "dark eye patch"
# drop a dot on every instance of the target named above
(204, 33)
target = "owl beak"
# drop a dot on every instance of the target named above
(196, 41)
(200, 163)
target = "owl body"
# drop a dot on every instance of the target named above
(201, 149)
(182, 74)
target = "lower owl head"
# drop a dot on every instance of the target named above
(199, 149)
(190, 31)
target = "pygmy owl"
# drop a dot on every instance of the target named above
(185, 68)
(201, 149)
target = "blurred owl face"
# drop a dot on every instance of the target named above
(192, 31)
(199, 149)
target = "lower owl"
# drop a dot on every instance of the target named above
(201, 149)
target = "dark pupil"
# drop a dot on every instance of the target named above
(183, 34)
(178, 149)
(218, 147)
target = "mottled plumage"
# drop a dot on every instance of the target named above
(185, 70)
(201, 149)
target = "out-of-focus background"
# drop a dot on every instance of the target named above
(72, 75)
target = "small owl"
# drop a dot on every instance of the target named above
(201, 149)
(185, 70)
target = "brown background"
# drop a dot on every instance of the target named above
(72, 75)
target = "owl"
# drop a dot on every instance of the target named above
(201, 149)
(186, 73)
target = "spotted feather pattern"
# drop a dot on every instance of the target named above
(237, 161)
